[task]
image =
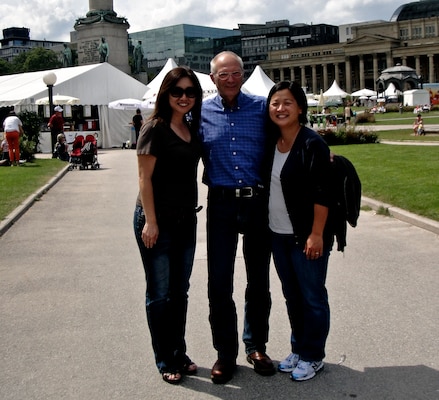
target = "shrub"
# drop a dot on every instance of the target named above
(348, 135)
(364, 117)
(30, 140)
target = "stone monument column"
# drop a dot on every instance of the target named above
(96, 5)
(101, 25)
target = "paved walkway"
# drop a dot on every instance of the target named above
(73, 321)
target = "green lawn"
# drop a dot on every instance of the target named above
(18, 183)
(403, 176)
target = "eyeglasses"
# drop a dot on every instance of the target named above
(222, 76)
(178, 91)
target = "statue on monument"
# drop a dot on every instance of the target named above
(104, 51)
(99, 32)
(67, 56)
(138, 57)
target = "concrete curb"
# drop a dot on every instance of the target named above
(403, 215)
(409, 143)
(15, 215)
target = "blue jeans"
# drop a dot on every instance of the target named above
(303, 286)
(226, 219)
(168, 267)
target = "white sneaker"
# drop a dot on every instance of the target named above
(289, 363)
(306, 370)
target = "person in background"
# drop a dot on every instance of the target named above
(5, 152)
(56, 125)
(299, 201)
(168, 153)
(418, 124)
(233, 137)
(61, 148)
(137, 122)
(13, 128)
(347, 114)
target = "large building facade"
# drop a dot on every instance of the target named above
(371, 48)
(189, 45)
(258, 40)
(195, 46)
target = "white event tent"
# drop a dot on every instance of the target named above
(258, 83)
(416, 97)
(152, 88)
(95, 84)
(209, 88)
(335, 91)
(392, 91)
(364, 92)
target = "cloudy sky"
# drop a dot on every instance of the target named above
(54, 19)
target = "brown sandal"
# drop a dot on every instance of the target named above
(172, 377)
(189, 367)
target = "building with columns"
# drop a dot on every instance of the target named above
(373, 47)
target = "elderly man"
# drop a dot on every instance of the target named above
(233, 138)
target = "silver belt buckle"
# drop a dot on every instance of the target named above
(249, 194)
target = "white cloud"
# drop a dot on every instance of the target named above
(54, 19)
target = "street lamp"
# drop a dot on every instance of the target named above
(50, 79)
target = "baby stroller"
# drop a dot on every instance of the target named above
(89, 153)
(75, 154)
(84, 153)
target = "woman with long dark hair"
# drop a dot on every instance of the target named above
(168, 153)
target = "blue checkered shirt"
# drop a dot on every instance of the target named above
(233, 141)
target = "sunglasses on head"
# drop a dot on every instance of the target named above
(177, 91)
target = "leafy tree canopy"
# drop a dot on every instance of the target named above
(5, 67)
(37, 59)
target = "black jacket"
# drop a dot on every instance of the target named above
(305, 182)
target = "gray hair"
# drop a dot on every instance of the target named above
(223, 53)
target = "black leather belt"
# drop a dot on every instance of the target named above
(245, 192)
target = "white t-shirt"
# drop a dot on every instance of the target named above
(278, 219)
(12, 123)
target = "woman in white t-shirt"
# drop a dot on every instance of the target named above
(301, 238)
(13, 128)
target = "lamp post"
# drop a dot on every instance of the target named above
(50, 79)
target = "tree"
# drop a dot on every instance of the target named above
(38, 59)
(31, 126)
(5, 67)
